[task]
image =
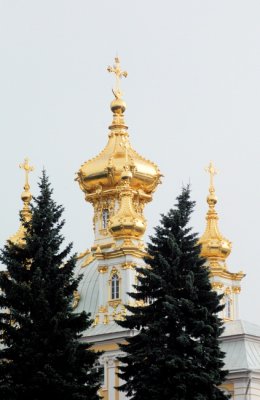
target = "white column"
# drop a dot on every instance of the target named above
(111, 368)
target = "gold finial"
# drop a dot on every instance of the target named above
(212, 172)
(27, 168)
(18, 237)
(214, 246)
(116, 69)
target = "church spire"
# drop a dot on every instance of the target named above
(214, 246)
(26, 197)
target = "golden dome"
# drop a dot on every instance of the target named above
(118, 182)
(214, 246)
(105, 170)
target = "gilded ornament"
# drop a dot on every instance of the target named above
(128, 265)
(88, 260)
(227, 290)
(102, 309)
(102, 269)
(76, 299)
(114, 303)
(83, 254)
(236, 289)
(96, 320)
(114, 271)
(217, 285)
(120, 316)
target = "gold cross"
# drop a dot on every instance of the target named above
(116, 69)
(212, 172)
(27, 168)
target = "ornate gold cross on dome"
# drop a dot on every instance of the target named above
(212, 172)
(27, 168)
(116, 69)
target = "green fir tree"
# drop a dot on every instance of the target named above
(175, 353)
(41, 356)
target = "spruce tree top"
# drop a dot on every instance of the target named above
(175, 353)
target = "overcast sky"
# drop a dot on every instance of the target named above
(193, 95)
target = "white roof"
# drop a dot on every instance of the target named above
(241, 343)
(88, 287)
(240, 327)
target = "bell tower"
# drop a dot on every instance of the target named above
(118, 183)
(215, 248)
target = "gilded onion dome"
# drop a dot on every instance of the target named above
(214, 246)
(118, 182)
(104, 171)
(26, 196)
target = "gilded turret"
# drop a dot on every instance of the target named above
(214, 246)
(101, 177)
(26, 196)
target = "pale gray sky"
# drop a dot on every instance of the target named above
(193, 94)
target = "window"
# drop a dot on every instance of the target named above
(115, 287)
(105, 218)
(228, 310)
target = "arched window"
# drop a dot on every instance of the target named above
(115, 287)
(105, 218)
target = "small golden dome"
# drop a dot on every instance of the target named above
(214, 246)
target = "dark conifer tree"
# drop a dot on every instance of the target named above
(41, 356)
(175, 353)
